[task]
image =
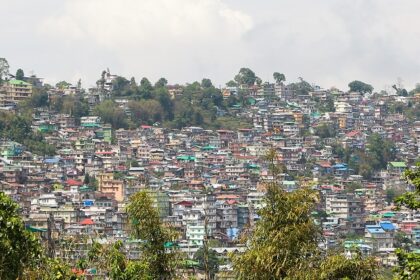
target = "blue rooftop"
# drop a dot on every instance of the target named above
(374, 229)
(387, 226)
(51, 160)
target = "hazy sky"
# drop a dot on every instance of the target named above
(328, 42)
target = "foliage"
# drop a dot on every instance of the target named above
(360, 87)
(145, 111)
(62, 85)
(113, 259)
(409, 262)
(327, 105)
(111, 113)
(302, 87)
(380, 151)
(411, 200)
(147, 226)
(213, 262)
(18, 129)
(245, 77)
(279, 77)
(162, 82)
(206, 83)
(19, 248)
(19, 74)
(408, 265)
(284, 242)
(231, 83)
(4, 69)
(325, 131)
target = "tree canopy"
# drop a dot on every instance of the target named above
(409, 262)
(279, 77)
(246, 77)
(284, 242)
(147, 226)
(19, 248)
(19, 74)
(360, 87)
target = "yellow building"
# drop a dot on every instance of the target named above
(107, 184)
(14, 91)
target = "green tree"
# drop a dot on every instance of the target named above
(360, 87)
(111, 113)
(120, 86)
(19, 248)
(284, 242)
(213, 261)
(206, 83)
(147, 226)
(279, 77)
(62, 85)
(4, 69)
(162, 82)
(112, 260)
(231, 83)
(245, 77)
(379, 151)
(302, 87)
(409, 262)
(145, 88)
(19, 74)
(325, 131)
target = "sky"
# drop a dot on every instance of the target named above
(327, 42)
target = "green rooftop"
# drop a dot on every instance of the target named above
(398, 164)
(18, 83)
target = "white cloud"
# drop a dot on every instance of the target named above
(154, 37)
(329, 42)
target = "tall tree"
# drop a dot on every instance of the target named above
(284, 242)
(62, 85)
(212, 260)
(409, 262)
(279, 77)
(162, 82)
(19, 75)
(206, 83)
(112, 114)
(19, 248)
(147, 226)
(246, 77)
(145, 88)
(4, 69)
(360, 87)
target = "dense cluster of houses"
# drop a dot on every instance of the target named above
(210, 184)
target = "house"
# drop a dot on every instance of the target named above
(14, 91)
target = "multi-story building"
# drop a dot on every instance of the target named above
(14, 91)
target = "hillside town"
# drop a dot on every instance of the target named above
(209, 183)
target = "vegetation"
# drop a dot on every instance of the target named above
(245, 77)
(18, 128)
(4, 70)
(212, 261)
(409, 262)
(111, 113)
(325, 131)
(375, 156)
(146, 225)
(302, 87)
(19, 248)
(360, 87)
(279, 77)
(19, 74)
(284, 243)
